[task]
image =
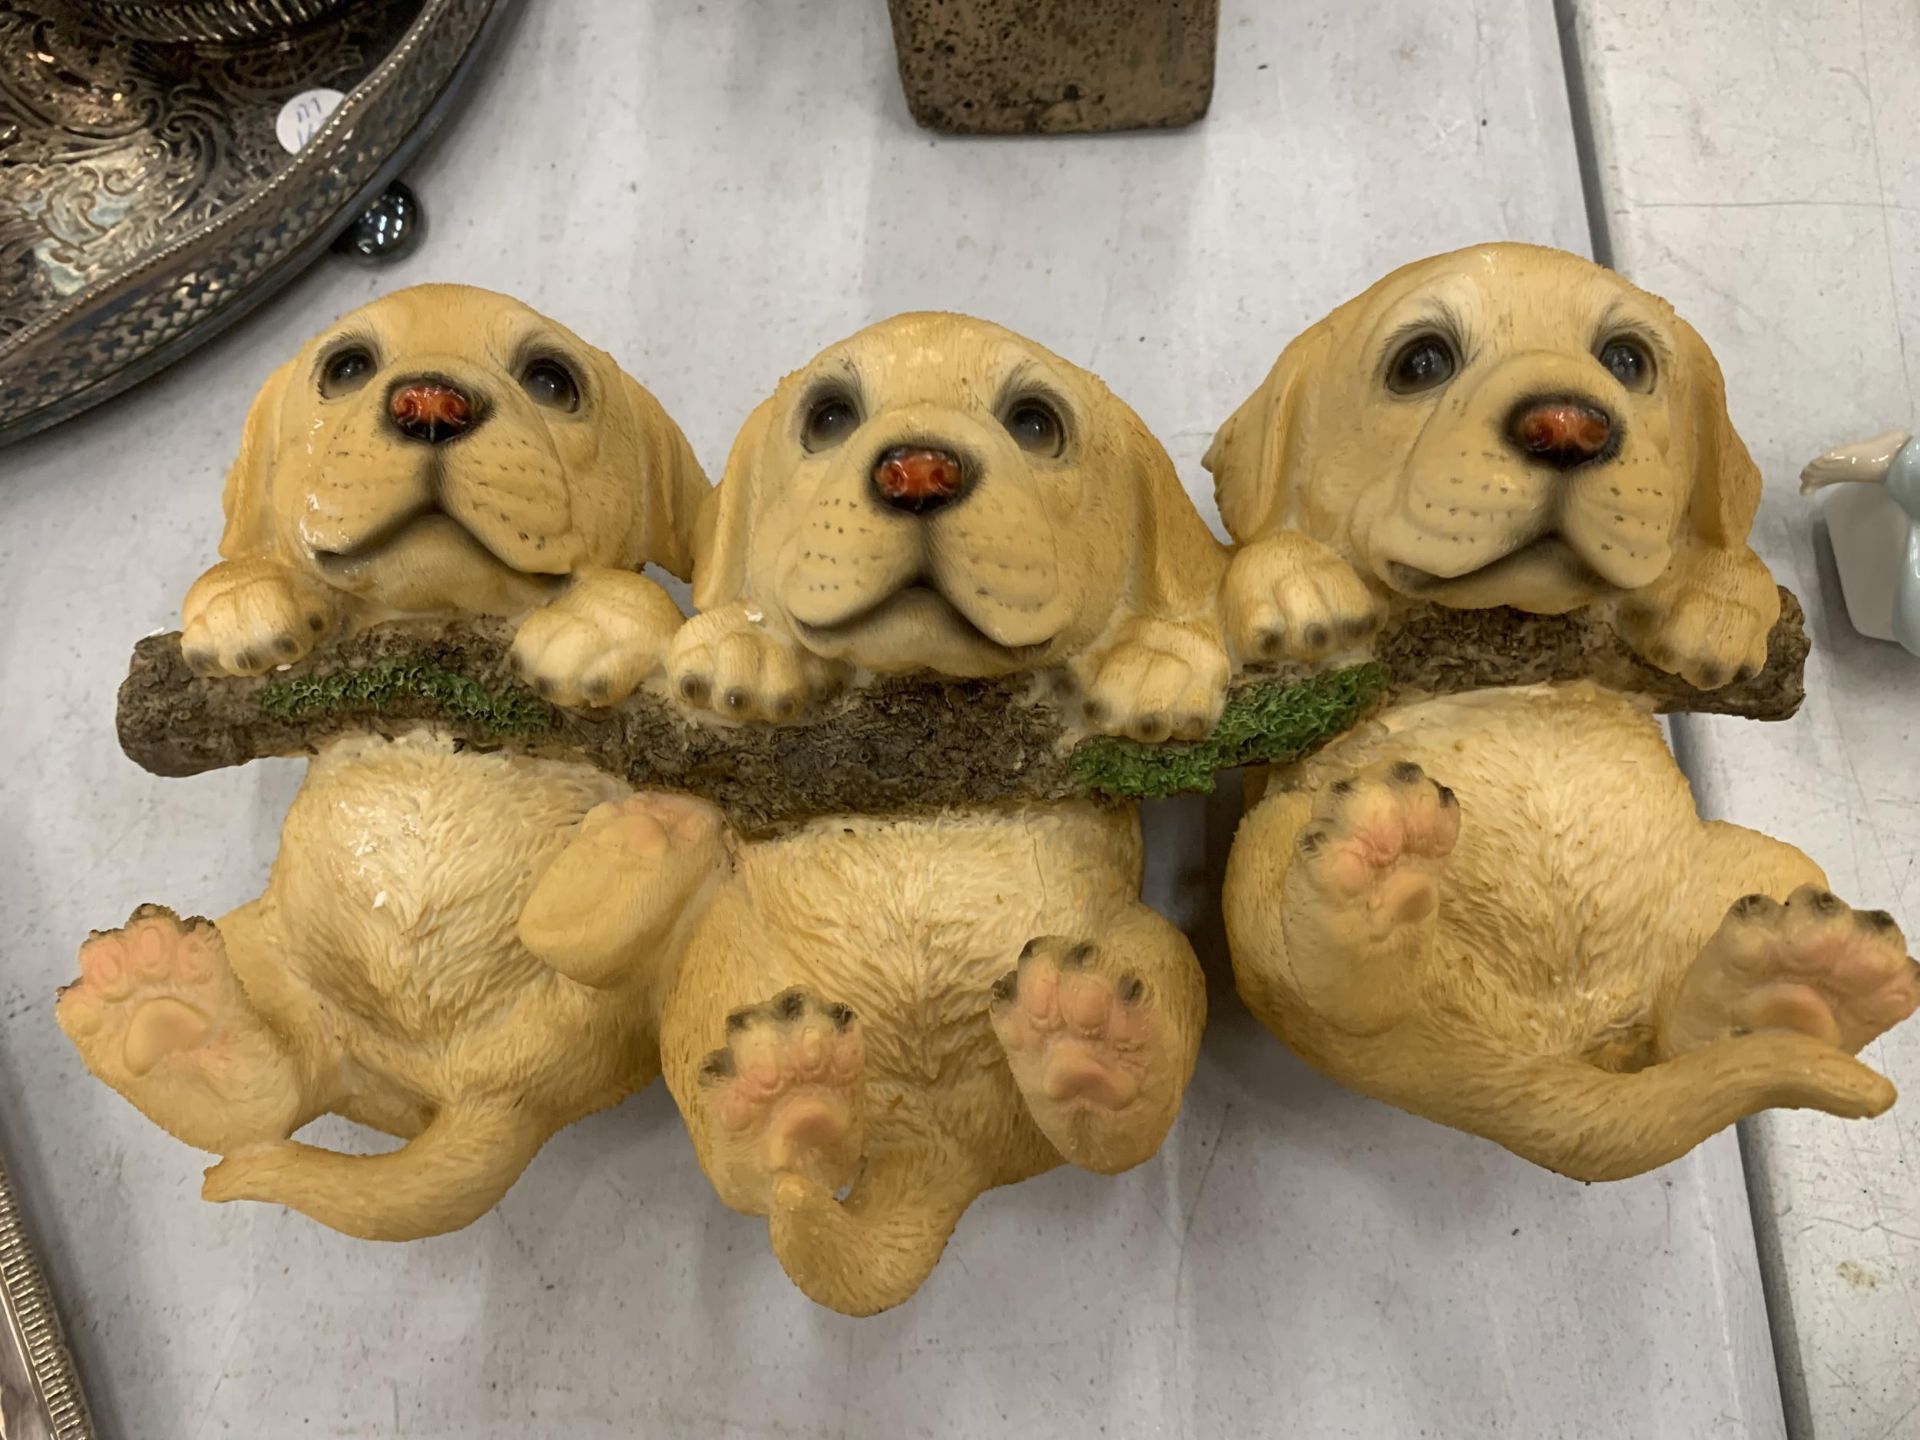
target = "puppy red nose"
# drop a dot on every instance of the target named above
(1561, 432)
(919, 480)
(428, 410)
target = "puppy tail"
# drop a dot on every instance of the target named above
(446, 1177)
(872, 1250)
(1593, 1124)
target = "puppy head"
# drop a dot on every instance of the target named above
(449, 448)
(1505, 425)
(938, 493)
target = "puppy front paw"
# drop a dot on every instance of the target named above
(598, 642)
(244, 617)
(731, 662)
(1706, 619)
(1158, 680)
(1288, 597)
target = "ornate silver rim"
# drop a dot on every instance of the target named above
(112, 334)
(227, 21)
(33, 1329)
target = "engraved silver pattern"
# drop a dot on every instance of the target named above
(183, 21)
(144, 199)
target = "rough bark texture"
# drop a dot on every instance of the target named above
(902, 746)
(1441, 652)
(1004, 67)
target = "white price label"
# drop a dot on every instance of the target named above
(302, 116)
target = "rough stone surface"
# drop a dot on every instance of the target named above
(1006, 67)
(902, 746)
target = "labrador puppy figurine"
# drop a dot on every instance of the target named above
(873, 1021)
(441, 451)
(1018, 518)
(1501, 910)
(447, 450)
(1506, 425)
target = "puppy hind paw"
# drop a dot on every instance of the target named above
(158, 1015)
(1813, 966)
(1376, 842)
(785, 1095)
(1089, 1052)
(597, 910)
(651, 823)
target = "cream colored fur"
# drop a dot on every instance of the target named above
(1347, 498)
(335, 519)
(911, 924)
(907, 1011)
(1501, 910)
(914, 1011)
(380, 975)
(1553, 950)
(1093, 559)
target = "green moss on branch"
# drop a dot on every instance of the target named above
(1267, 722)
(511, 711)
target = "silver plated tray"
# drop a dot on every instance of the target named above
(147, 199)
(40, 1395)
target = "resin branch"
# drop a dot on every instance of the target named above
(900, 746)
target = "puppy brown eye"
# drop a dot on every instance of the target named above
(346, 370)
(831, 420)
(1422, 363)
(1629, 362)
(551, 384)
(1034, 426)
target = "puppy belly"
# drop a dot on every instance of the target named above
(402, 869)
(1567, 897)
(910, 923)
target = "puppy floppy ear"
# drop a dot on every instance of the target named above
(1254, 456)
(1726, 482)
(1181, 562)
(247, 498)
(672, 491)
(724, 532)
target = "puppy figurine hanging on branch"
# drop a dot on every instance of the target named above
(442, 451)
(1028, 524)
(1500, 910)
(875, 1020)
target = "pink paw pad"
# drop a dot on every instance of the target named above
(146, 991)
(786, 1083)
(651, 824)
(1077, 1033)
(1814, 965)
(1376, 838)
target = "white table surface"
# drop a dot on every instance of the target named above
(1760, 167)
(712, 192)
